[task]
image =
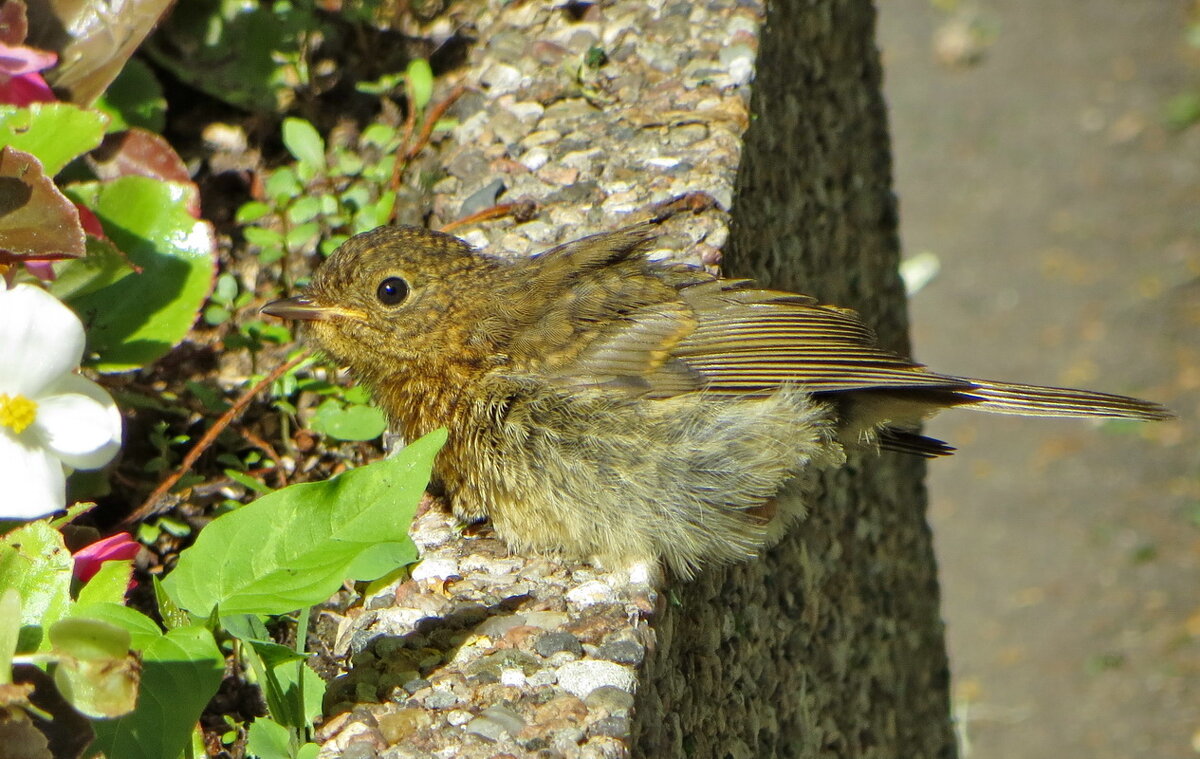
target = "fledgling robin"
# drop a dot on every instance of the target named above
(622, 410)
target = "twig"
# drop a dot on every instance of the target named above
(431, 119)
(407, 152)
(258, 442)
(522, 210)
(148, 506)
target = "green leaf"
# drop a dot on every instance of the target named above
(420, 82)
(180, 673)
(304, 142)
(101, 266)
(141, 316)
(308, 751)
(296, 546)
(262, 237)
(1183, 110)
(313, 692)
(251, 212)
(108, 584)
(142, 630)
(247, 481)
(56, 133)
(134, 99)
(10, 631)
(352, 422)
(269, 740)
(304, 209)
(35, 562)
(283, 701)
(378, 135)
(172, 616)
(283, 185)
(90, 639)
(95, 671)
(381, 86)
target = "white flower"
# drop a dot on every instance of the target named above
(51, 419)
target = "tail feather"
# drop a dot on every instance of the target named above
(1036, 400)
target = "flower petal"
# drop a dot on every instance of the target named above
(17, 60)
(117, 547)
(33, 480)
(77, 429)
(40, 340)
(80, 385)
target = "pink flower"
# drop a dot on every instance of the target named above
(117, 547)
(20, 82)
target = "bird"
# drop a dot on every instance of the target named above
(637, 414)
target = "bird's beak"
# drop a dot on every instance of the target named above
(302, 307)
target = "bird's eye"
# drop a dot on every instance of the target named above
(392, 291)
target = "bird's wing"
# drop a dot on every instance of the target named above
(725, 337)
(748, 340)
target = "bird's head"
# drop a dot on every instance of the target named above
(388, 296)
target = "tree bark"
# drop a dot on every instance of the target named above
(832, 645)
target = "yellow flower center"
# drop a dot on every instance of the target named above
(16, 412)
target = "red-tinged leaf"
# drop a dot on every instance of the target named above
(138, 152)
(36, 220)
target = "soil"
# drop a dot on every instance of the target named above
(1033, 161)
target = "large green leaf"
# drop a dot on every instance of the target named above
(180, 673)
(294, 547)
(141, 316)
(35, 562)
(56, 133)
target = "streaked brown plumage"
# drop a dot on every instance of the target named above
(622, 410)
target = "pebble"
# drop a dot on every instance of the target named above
(554, 642)
(582, 677)
(589, 593)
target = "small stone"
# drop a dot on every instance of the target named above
(534, 158)
(501, 78)
(622, 652)
(617, 727)
(412, 686)
(558, 175)
(512, 677)
(436, 569)
(553, 642)
(508, 718)
(590, 593)
(582, 159)
(547, 620)
(582, 677)
(459, 717)
(610, 699)
(399, 725)
(527, 111)
(540, 137)
(495, 627)
(738, 61)
(542, 679)
(440, 699)
(561, 709)
(486, 729)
